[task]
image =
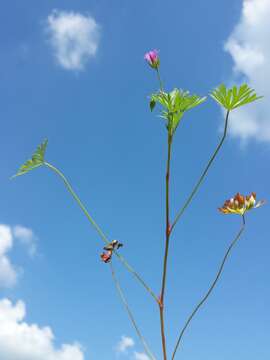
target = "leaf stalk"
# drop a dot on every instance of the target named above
(203, 300)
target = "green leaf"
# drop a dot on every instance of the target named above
(234, 97)
(36, 160)
(174, 105)
(183, 101)
(176, 120)
(162, 98)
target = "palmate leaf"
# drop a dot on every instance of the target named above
(36, 160)
(175, 104)
(234, 97)
(176, 100)
(184, 101)
(161, 98)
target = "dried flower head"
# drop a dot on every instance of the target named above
(114, 245)
(107, 255)
(239, 204)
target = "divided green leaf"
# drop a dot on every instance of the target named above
(36, 160)
(234, 97)
(175, 104)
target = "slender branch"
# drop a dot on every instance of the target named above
(98, 229)
(159, 80)
(137, 276)
(118, 287)
(195, 189)
(83, 208)
(211, 287)
(164, 275)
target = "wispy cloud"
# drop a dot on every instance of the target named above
(140, 356)
(124, 344)
(249, 47)
(74, 38)
(8, 274)
(26, 237)
(20, 340)
(127, 343)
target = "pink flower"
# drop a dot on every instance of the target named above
(152, 58)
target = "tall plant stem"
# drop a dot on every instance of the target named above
(195, 189)
(159, 80)
(100, 232)
(132, 319)
(168, 231)
(197, 307)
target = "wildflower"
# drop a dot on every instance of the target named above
(152, 58)
(107, 255)
(239, 204)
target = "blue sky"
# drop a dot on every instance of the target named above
(74, 73)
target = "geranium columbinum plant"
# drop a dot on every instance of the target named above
(172, 106)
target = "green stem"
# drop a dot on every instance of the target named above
(118, 287)
(165, 260)
(77, 199)
(159, 80)
(211, 287)
(195, 189)
(98, 229)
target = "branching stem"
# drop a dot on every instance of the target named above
(195, 189)
(132, 319)
(168, 232)
(98, 229)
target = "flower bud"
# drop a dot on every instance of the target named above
(152, 58)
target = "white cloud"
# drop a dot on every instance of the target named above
(124, 344)
(22, 341)
(18, 339)
(140, 356)
(8, 275)
(249, 47)
(26, 237)
(74, 38)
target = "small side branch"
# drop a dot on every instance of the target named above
(199, 182)
(197, 307)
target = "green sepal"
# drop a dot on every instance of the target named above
(234, 97)
(152, 104)
(36, 160)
